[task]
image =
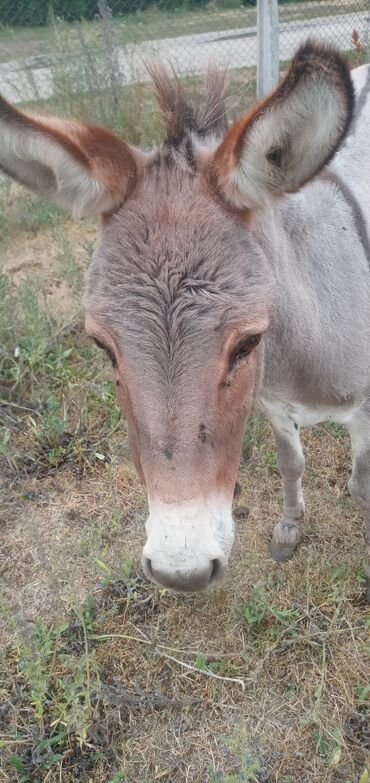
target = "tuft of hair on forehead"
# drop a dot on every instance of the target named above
(179, 114)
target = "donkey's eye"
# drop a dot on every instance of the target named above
(243, 349)
(107, 350)
(274, 156)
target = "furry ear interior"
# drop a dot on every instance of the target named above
(288, 137)
(87, 170)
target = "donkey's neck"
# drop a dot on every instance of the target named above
(317, 348)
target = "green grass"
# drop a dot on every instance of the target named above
(53, 397)
(24, 213)
(65, 700)
(59, 691)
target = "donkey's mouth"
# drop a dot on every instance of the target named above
(185, 581)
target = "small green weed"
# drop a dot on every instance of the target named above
(200, 662)
(20, 767)
(329, 745)
(340, 582)
(245, 761)
(259, 610)
(364, 695)
(255, 609)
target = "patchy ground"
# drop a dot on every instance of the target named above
(103, 677)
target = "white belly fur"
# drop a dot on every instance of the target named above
(305, 416)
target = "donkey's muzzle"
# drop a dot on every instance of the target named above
(188, 544)
(184, 581)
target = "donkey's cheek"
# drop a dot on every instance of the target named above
(135, 453)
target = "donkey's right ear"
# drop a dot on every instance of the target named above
(289, 136)
(87, 170)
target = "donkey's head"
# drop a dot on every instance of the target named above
(179, 292)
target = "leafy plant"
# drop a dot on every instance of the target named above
(244, 758)
(255, 609)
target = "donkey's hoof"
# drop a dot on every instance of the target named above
(281, 552)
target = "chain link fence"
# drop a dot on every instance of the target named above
(87, 57)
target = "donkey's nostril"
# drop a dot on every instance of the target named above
(216, 571)
(147, 566)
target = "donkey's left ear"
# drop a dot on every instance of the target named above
(85, 169)
(290, 135)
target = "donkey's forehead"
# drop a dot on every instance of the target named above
(172, 262)
(171, 222)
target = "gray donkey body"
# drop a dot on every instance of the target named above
(233, 267)
(317, 354)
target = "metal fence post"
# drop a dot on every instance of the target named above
(267, 46)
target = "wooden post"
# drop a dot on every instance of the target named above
(267, 46)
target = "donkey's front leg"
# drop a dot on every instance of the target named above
(359, 484)
(290, 461)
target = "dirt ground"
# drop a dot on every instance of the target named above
(105, 678)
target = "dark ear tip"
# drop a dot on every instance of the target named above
(5, 108)
(318, 53)
(307, 50)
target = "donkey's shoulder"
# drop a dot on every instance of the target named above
(361, 79)
(352, 161)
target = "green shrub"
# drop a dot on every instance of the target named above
(74, 10)
(25, 13)
(35, 13)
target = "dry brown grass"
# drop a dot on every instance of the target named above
(266, 679)
(294, 705)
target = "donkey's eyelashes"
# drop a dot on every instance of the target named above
(243, 349)
(98, 343)
(107, 350)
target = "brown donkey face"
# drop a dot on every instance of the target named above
(180, 293)
(173, 295)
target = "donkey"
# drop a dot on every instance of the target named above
(232, 267)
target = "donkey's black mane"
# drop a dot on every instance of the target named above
(181, 117)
